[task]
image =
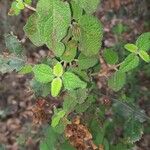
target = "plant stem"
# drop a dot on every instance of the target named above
(30, 7)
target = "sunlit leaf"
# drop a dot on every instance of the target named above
(131, 62)
(144, 55)
(58, 70)
(72, 81)
(43, 73)
(143, 41)
(56, 86)
(131, 48)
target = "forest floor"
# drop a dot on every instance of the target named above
(17, 132)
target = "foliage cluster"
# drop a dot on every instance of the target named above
(74, 35)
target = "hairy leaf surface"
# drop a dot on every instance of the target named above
(117, 81)
(43, 73)
(49, 24)
(72, 81)
(89, 6)
(143, 41)
(131, 62)
(56, 87)
(91, 35)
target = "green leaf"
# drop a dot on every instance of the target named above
(70, 101)
(119, 28)
(50, 140)
(11, 63)
(67, 146)
(131, 48)
(84, 106)
(56, 118)
(91, 35)
(81, 73)
(97, 131)
(56, 86)
(13, 44)
(72, 81)
(32, 30)
(131, 62)
(20, 4)
(70, 52)
(89, 6)
(144, 55)
(61, 126)
(143, 41)
(81, 95)
(4, 67)
(28, 2)
(117, 81)
(16, 63)
(133, 130)
(76, 10)
(26, 69)
(106, 144)
(58, 70)
(119, 146)
(43, 73)
(53, 23)
(40, 89)
(86, 62)
(110, 56)
(14, 10)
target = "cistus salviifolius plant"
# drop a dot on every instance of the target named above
(74, 35)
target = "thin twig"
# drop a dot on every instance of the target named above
(30, 7)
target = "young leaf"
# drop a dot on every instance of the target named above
(110, 56)
(91, 35)
(20, 4)
(143, 42)
(28, 2)
(89, 6)
(58, 70)
(13, 44)
(56, 118)
(133, 130)
(117, 81)
(43, 73)
(131, 62)
(86, 62)
(56, 87)
(14, 10)
(131, 48)
(72, 81)
(26, 69)
(144, 55)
